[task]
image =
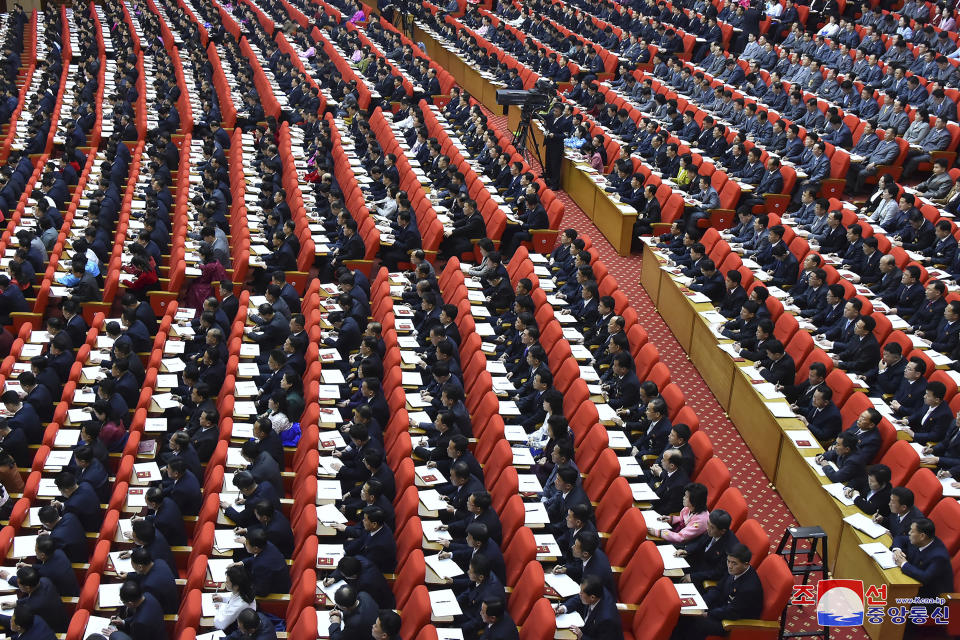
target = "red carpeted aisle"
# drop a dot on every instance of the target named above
(764, 502)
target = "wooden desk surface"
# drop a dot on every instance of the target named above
(650, 274)
(779, 457)
(716, 367)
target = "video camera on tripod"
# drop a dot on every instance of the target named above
(531, 101)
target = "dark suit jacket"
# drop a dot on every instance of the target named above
(899, 526)
(57, 569)
(603, 623)
(27, 420)
(734, 599)
(266, 631)
(824, 424)
(41, 399)
(266, 469)
(85, 504)
(732, 302)
(269, 571)
(935, 427)
(146, 621)
(654, 441)
(70, 536)
(458, 528)
(161, 582)
(860, 355)
(879, 502)
(930, 567)
(44, 601)
(709, 564)
(948, 449)
(670, 491)
(503, 629)
(380, 549)
(186, 493)
(39, 631)
(598, 565)
(783, 371)
(169, 521)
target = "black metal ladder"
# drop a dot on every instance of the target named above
(814, 544)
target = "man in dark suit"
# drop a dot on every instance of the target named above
(483, 585)
(477, 542)
(364, 576)
(165, 515)
(946, 453)
(260, 464)
(266, 564)
(479, 506)
(588, 559)
(734, 296)
(348, 334)
(39, 596)
(75, 326)
(884, 378)
(66, 531)
(273, 329)
(653, 430)
(913, 386)
(710, 282)
(355, 614)
(801, 395)
(497, 623)
(930, 422)
(182, 486)
(739, 595)
(51, 563)
(890, 281)
(844, 466)
(903, 513)
(598, 608)
(141, 616)
(947, 335)
(155, 578)
(253, 626)
(779, 367)
(23, 417)
(860, 354)
(27, 625)
(570, 493)
(252, 492)
(822, 417)
(926, 560)
(707, 555)
(37, 395)
(909, 297)
(927, 318)
(672, 481)
(463, 484)
(373, 540)
(623, 388)
(78, 499)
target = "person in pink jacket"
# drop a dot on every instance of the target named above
(693, 518)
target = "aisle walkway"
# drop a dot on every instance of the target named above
(765, 504)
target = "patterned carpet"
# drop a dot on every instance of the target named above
(765, 504)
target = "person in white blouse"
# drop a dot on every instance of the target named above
(240, 595)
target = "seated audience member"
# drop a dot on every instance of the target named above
(738, 595)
